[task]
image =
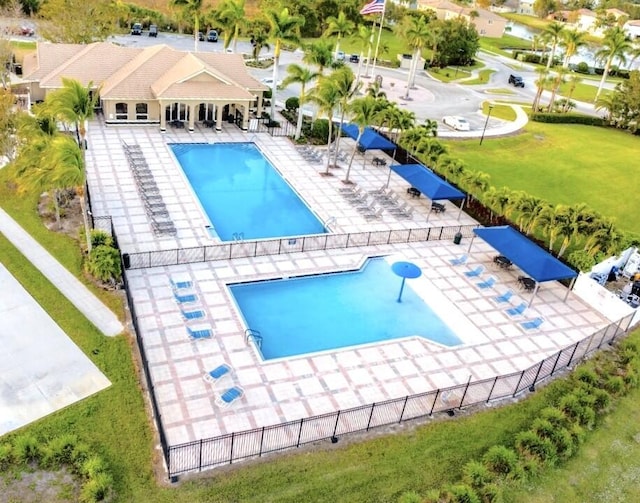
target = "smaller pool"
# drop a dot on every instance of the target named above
(243, 195)
(332, 311)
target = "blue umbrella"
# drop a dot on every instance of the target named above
(405, 270)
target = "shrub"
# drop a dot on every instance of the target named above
(6, 456)
(582, 67)
(581, 260)
(100, 238)
(320, 130)
(630, 377)
(59, 451)
(459, 493)
(555, 416)
(92, 467)
(410, 497)
(26, 449)
(502, 461)
(96, 489)
(79, 457)
(576, 411)
(551, 118)
(586, 375)
(476, 474)
(530, 445)
(615, 385)
(103, 263)
(292, 103)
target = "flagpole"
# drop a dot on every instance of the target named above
(375, 56)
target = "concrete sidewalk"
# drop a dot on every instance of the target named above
(67, 283)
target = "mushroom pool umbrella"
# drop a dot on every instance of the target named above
(405, 270)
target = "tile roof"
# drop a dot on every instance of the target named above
(46, 58)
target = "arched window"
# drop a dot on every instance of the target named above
(142, 113)
(122, 111)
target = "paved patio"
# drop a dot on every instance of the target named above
(292, 388)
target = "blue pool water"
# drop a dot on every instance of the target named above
(330, 311)
(242, 193)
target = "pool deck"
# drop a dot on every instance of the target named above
(292, 388)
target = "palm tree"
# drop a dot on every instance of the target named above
(573, 82)
(363, 112)
(572, 40)
(191, 8)
(284, 28)
(325, 94)
(431, 126)
(451, 168)
(303, 76)
(260, 41)
(416, 34)
(554, 33)
(574, 222)
(475, 183)
(318, 53)
(403, 120)
(347, 88)
(549, 222)
(374, 89)
(498, 200)
(340, 25)
(230, 14)
(614, 45)
(364, 38)
(75, 104)
(541, 82)
(556, 81)
(430, 150)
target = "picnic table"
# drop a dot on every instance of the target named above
(378, 161)
(502, 261)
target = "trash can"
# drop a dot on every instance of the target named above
(457, 238)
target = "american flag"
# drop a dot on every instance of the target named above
(373, 7)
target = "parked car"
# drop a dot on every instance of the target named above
(153, 30)
(201, 36)
(456, 122)
(212, 36)
(340, 56)
(136, 29)
(516, 80)
(27, 31)
(354, 58)
(268, 81)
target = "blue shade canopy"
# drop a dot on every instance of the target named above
(406, 269)
(370, 140)
(527, 255)
(427, 182)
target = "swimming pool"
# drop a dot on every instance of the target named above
(242, 193)
(330, 311)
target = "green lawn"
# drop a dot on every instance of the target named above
(550, 161)
(482, 78)
(504, 44)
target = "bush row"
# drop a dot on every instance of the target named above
(64, 451)
(576, 406)
(568, 118)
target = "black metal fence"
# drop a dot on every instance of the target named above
(226, 449)
(257, 248)
(281, 128)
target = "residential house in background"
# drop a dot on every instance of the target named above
(486, 22)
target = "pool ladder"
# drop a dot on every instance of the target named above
(330, 221)
(250, 333)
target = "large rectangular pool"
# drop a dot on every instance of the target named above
(303, 315)
(242, 194)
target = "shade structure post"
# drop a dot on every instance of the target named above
(388, 177)
(471, 243)
(460, 210)
(533, 295)
(405, 270)
(566, 295)
(399, 299)
(430, 208)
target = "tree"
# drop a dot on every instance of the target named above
(363, 113)
(327, 97)
(573, 82)
(415, 32)
(8, 122)
(554, 33)
(77, 21)
(556, 81)
(318, 53)
(572, 40)
(475, 183)
(498, 199)
(614, 45)
(260, 40)
(347, 88)
(543, 8)
(340, 26)
(623, 104)
(364, 38)
(75, 104)
(540, 82)
(192, 9)
(458, 42)
(231, 16)
(283, 28)
(303, 76)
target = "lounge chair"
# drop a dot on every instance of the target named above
(229, 396)
(474, 272)
(462, 259)
(217, 373)
(180, 284)
(505, 297)
(186, 298)
(196, 314)
(515, 311)
(532, 324)
(203, 332)
(374, 214)
(488, 283)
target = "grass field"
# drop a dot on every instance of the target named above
(550, 161)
